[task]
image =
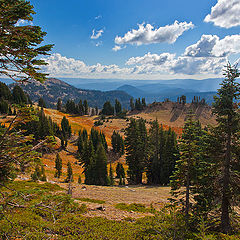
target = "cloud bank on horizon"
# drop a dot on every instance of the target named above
(206, 57)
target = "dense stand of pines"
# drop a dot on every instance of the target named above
(92, 156)
(138, 105)
(8, 98)
(155, 152)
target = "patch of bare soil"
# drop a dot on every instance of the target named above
(147, 195)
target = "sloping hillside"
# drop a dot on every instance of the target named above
(54, 88)
(174, 114)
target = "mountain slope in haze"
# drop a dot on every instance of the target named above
(53, 88)
(159, 92)
(205, 85)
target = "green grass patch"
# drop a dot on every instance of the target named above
(34, 186)
(91, 200)
(135, 207)
(50, 214)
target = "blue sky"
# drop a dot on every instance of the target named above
(139, 39)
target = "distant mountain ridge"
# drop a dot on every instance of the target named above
(156, 90)
(53, 88)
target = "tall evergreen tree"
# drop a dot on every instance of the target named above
(132, 106)
(69, 173)
(117, 143)
(184, 178)
(227, 131)
(136, 149)
(108, 109)
(58, 166)
(85, 106)
(118, 107)
(41, 103)
(101, 174)
(120, 171)
(18, 95)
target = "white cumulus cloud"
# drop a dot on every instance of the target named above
(117, 48)
(213, 46)
(96, 34)
(225, 14)
(147, 34)
(153, 59)
(59, 65)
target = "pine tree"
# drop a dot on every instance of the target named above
(101, 174)
(5, 93)
(58, 166)
(41, 103)
(120, 171)
(18, 95)
(132, 106)
(184, 178)
(136, 149)
(20, 45)
(117, 143)
(85, 106)
(108, 109)
(69, 173)
(118, 107)
(226, 133)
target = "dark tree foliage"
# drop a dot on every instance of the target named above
(5, 92)
(19, 96)
(184, 179)
(41, 103)
(136, 149)
(108, 109)
(19, 45)
(66, 128)
(65, 132)
(138, 105)
(82, 138)
(85, 107)
(98, 137)
(101, 175)
(91, 157)
(120, 171)
(69, 173)
(226, 110)
(163, 154)
(132, 106)
(79, 109)
(118, 107)
(58, 166)
(117, 143)
(4, 107)
(41, 126)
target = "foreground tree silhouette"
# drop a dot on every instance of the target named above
(19, 50)
(19, 45)
(226, 133)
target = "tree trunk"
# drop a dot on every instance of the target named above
(226, 194)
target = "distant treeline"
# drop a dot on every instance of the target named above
(8, 98)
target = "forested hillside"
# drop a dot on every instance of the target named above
(52, 89)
